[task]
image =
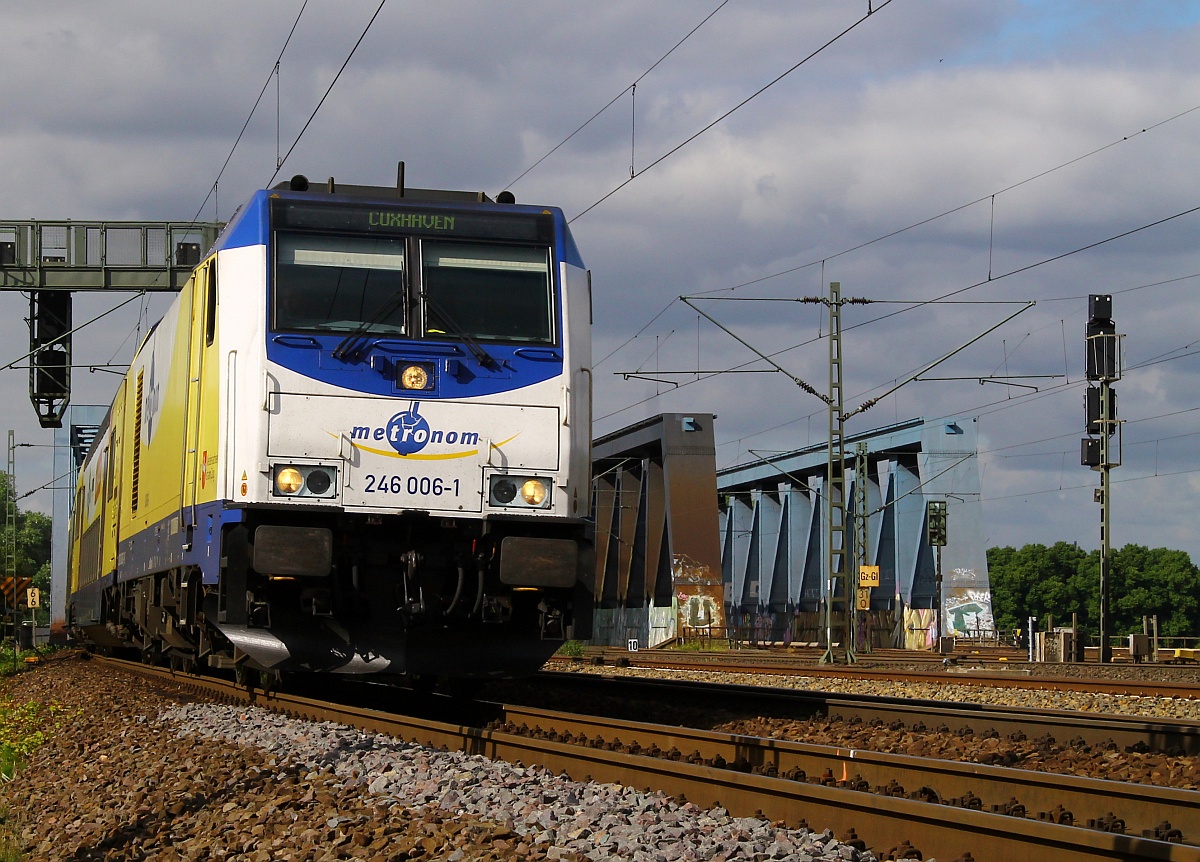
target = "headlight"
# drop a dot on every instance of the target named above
(519, 492)
(533, 492)
(304, 480)
(288, 480)
(413, 377)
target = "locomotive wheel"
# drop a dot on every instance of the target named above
(245, 676)
(271, 681)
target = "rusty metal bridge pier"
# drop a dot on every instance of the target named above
(658, 556)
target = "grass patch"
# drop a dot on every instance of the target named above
(571, 649)
(10, 838)
(701, 645)
(24, 727)
(24, 660)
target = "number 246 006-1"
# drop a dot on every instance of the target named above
(423, 486)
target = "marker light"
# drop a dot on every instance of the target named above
(414, 377)
(288, 480)
(533, 492)
(304, 480)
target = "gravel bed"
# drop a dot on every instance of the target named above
(135, 773)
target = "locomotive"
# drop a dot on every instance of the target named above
(357, 442)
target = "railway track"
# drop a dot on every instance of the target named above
(886, 665)
(749, 776)
(1181, 737)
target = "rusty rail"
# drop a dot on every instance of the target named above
(1154, 734)
(998, 674)
(1016, 792)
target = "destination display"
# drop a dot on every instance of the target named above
(414, 219)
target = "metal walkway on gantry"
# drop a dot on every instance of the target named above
(50, 260)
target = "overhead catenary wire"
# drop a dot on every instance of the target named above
(922, 303)
(70, 332)
(631, 88)
(731, 111)
(328, 90)
(822, 261)
(274, 73)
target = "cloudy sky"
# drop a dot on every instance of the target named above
(1000, 152)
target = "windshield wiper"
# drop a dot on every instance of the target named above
(481, 356)
(349, 346)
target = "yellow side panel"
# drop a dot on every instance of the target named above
(112, 479)
(204, 395)
(154, 446)
(73, 552)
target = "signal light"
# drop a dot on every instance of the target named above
(1101, 359)
(187, 253)
(935, 523)
(1092, 407)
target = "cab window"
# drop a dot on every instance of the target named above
(488, 292)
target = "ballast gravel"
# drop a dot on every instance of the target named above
(561, 818)
(135, 774)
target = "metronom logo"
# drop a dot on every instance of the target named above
(409, 432)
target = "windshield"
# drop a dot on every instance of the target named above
(339, 283)
(489, 292)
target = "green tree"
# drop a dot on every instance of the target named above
(1036, 581)
(1062, 580)
(1154, 582)
(33, 532)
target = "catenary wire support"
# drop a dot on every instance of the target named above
(633, 131)
(838, 607)
(841, 585)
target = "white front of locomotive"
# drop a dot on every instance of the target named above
(430, 367)
(410, 410)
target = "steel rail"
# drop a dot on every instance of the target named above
(1157, 734)
(796, 666)
(1041, 795)
(882, 821)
